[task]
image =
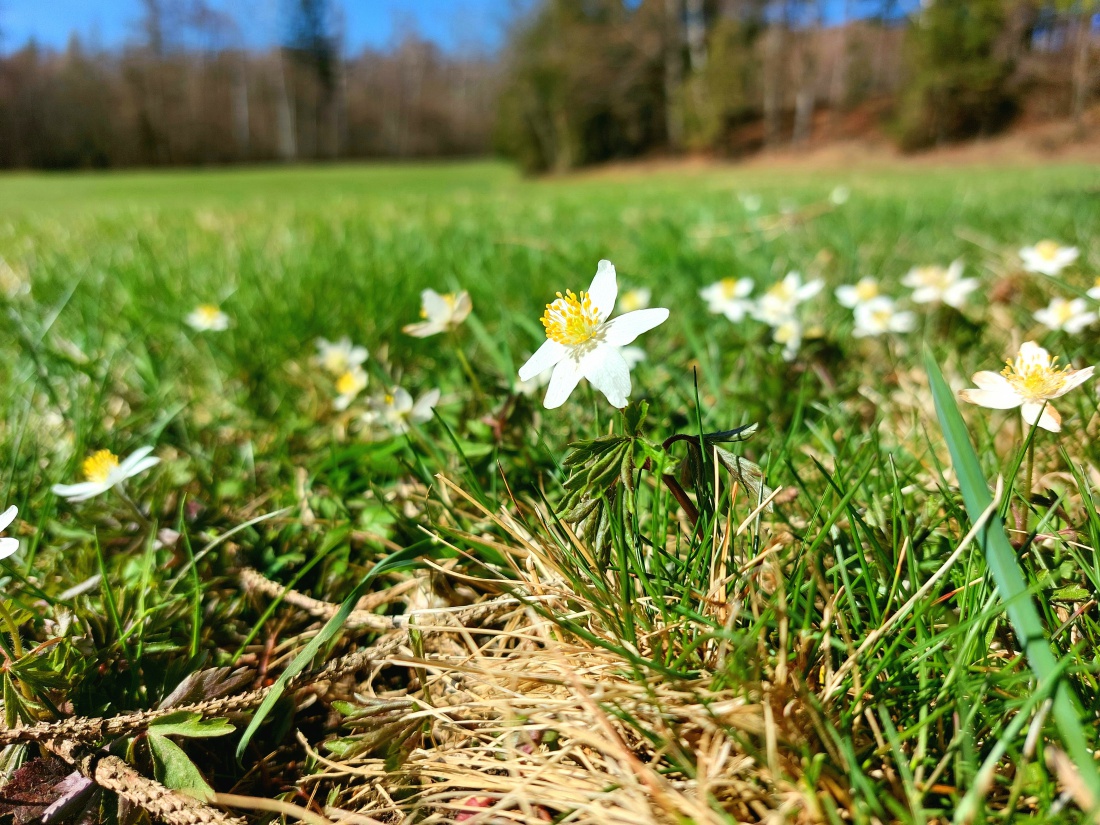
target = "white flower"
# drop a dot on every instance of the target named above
(440, 313)
(936, 284)
(208, 318)
(782, 299)
(104, 471)
(788, 332)
(1067, 316)
(861, 292)
(582, 341)
(1028, 383)
(341, 356)
(634, 299)
(880, 315)
(8, 545)
(750, 202)
(1047, 257)
(729, 297)
(840, 195)
(396, 410)
(1094, 293)
(349, 385)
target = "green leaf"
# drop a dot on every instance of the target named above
(190, 725)
(174, 769)
(1001, 560)
(399, 560)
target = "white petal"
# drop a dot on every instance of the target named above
(142, 466)
(993, 399)
(423, 329)
(546, 356)
(80, 492)
(8, 516)
(566, 376)
(462, 307)
(7, 547)
(1050, 421)
(435, 306)
(1077, 379)
(1077, 323)
(608, 372)
(847, 296)
(988, 380)
(624, 329)
(422, 409)
(604, 289)
(133, 460)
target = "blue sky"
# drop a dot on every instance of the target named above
(454, 24)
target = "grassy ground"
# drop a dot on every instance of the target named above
(722, 668)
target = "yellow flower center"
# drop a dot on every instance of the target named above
(1063, 311)
(729, 288)
(782, 290)
(99, 465)
(1048, 250)
(935, 276)
(1036, 379)
(388, 398)
(867, 289)
(571, 319)
(209, 312)
(348, 383)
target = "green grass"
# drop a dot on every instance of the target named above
(97, 356)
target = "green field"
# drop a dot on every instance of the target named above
(632, 642)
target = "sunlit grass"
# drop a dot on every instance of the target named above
(798, 608)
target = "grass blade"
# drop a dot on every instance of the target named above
(1001, 559)
(399, 560)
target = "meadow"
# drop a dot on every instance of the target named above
(392, 585)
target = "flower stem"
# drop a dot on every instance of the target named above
(1030, 471)
(141, 517)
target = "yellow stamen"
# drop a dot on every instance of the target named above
(99, 465)
(867, 289)
(1048, 250)
(209, 312)
(1036, 379)
(571, 319)
(348, 383)
(729, 288)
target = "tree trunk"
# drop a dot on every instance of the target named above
(674, 76)
(284, 117)
(773, 85)
(838, 85)
(696, 35)
(240, 107)
(1081, 68)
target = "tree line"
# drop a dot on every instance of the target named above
(576, 82)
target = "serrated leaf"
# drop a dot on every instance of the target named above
(174, 769)
(190, 725)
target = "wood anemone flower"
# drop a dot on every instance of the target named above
(1048, 257)
(103, 470)
(440, 313)
(1030, 383)
(583, 341)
